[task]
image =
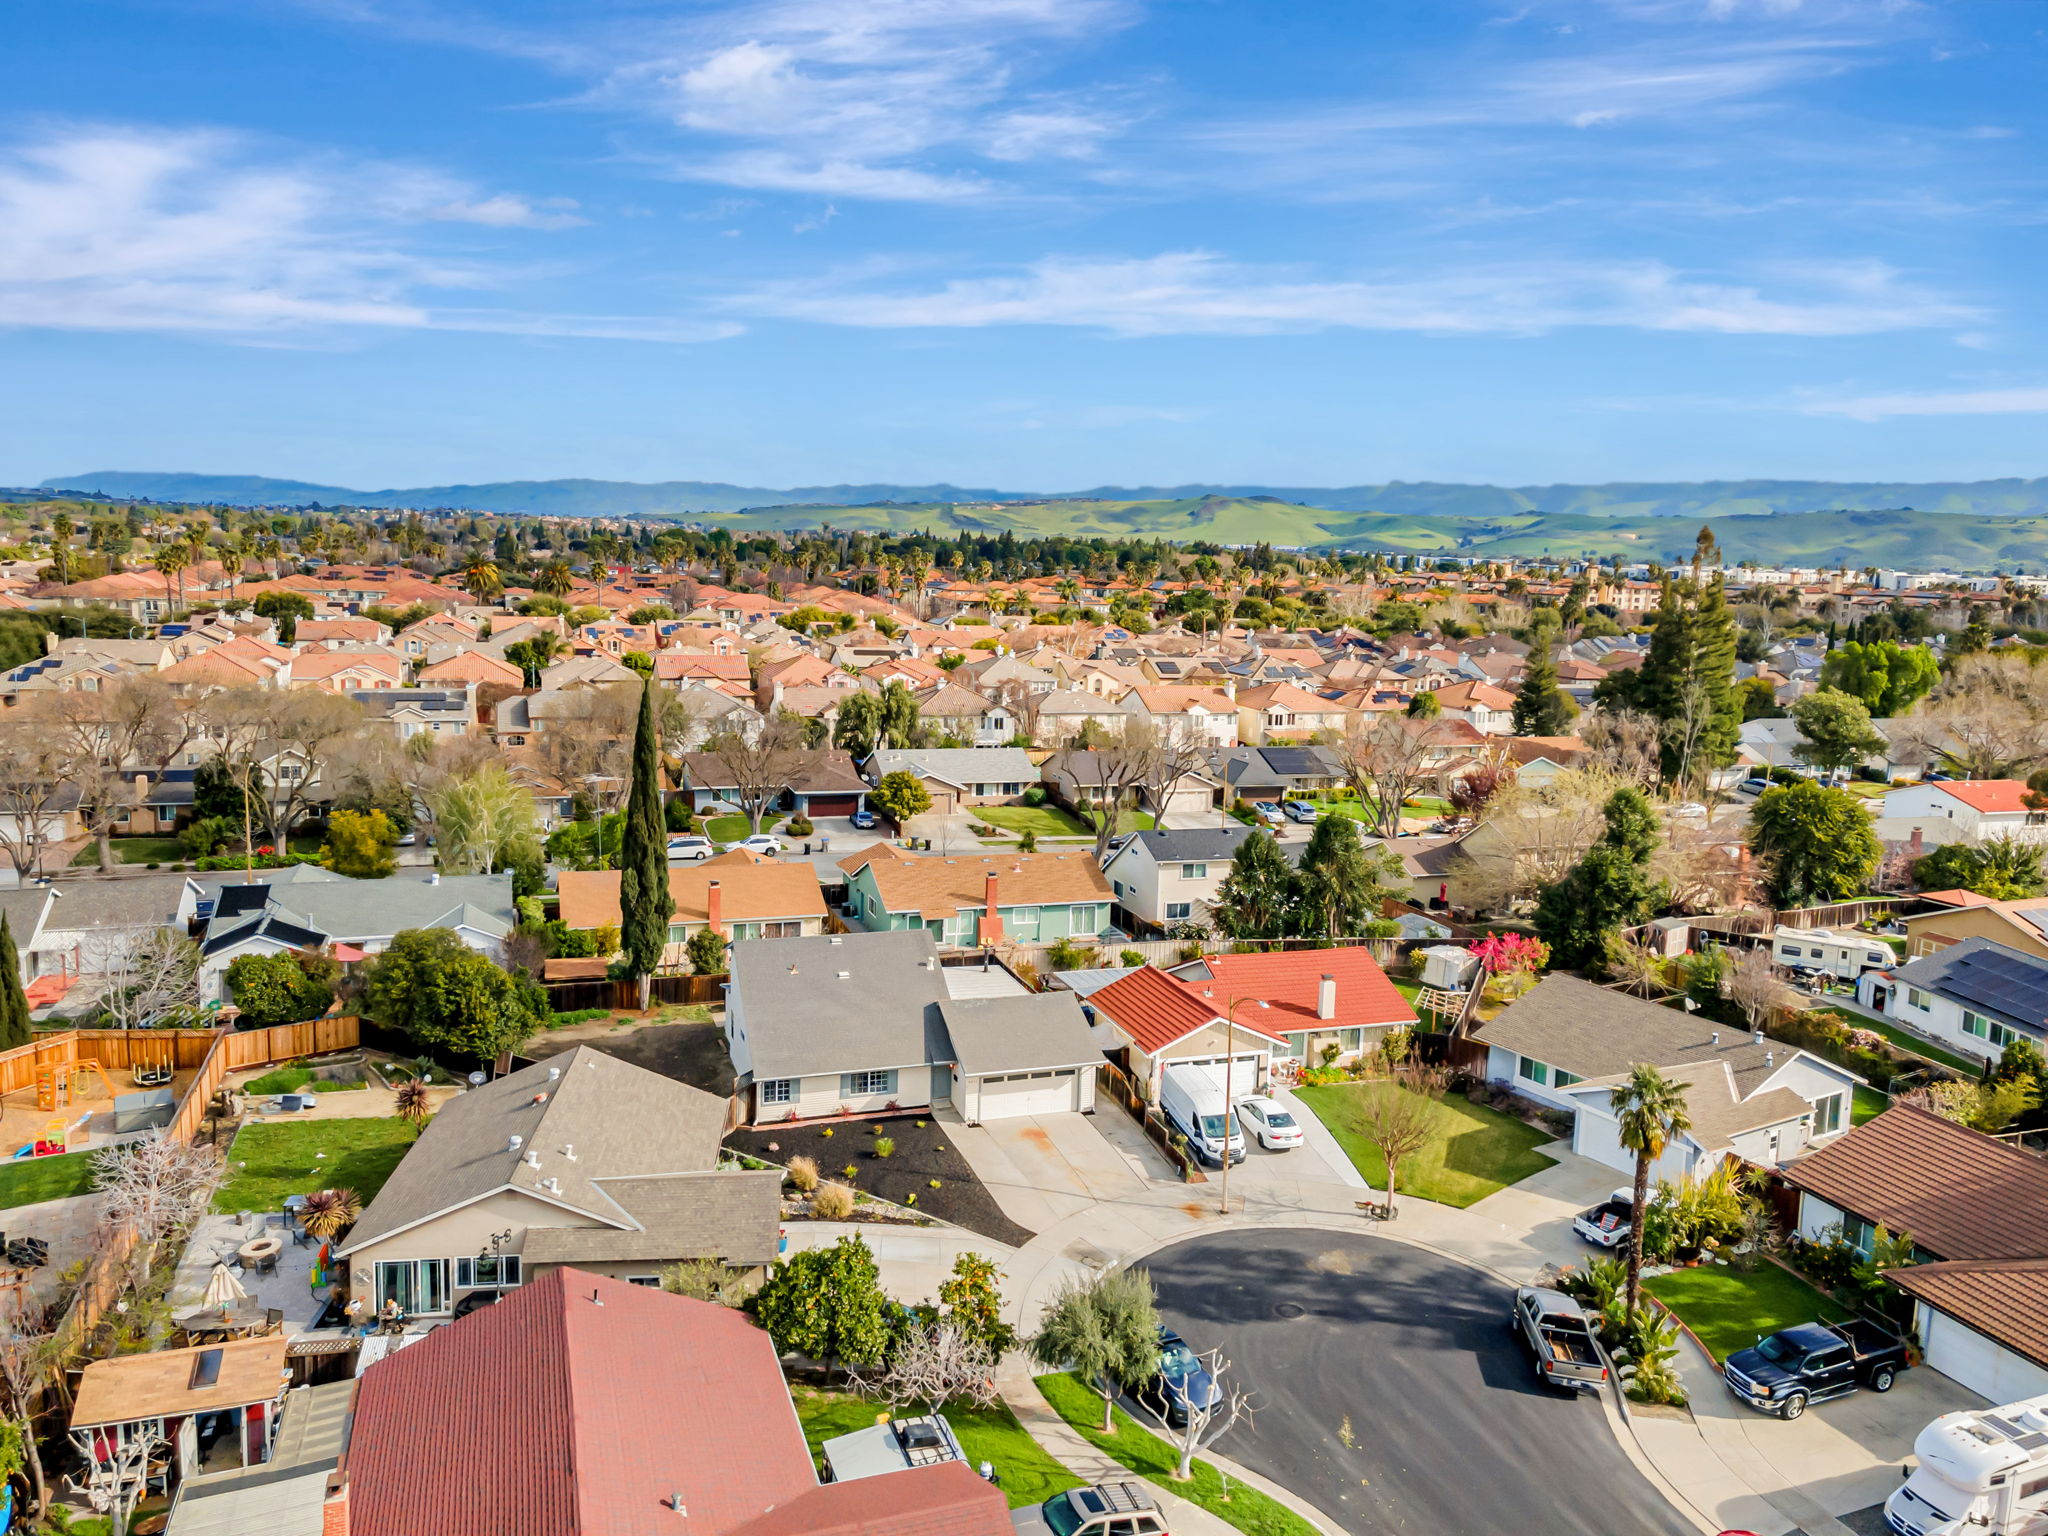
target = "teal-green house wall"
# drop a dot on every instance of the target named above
(1051, 921)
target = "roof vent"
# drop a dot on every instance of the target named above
(541, 1097)
(552, 1185)
(569, 1151)
(1770, 1058)
(1757, 1038)
(1714, 1038)
(532, 1159)
(554, 1073)
(837, 940)
(843, 975)
(515, 1143)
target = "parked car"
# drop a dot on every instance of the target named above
(864, 819)
(1179, 1382)
(1100, 1509)
(1270, 1122)
(1608, 1223)
(687, 847)
(1268, 812)
(1754, 786)
(407, 839)
(1560, 1336)
(1298, 810)
(1813, 1362)
(760, 842)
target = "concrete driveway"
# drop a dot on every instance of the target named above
(1392, 1395)
(1044, 1168)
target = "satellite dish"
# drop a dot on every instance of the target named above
(476, 1078)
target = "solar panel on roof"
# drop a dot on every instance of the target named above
(2008, 983)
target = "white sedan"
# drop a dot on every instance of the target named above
(760, 842)
(1270, 1122)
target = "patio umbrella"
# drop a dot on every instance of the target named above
(222, 1288)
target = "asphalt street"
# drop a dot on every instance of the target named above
(1391, 1394)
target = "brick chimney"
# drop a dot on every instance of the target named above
(990, 929)
(1915, 845)
(714, 907)
(1326, 998)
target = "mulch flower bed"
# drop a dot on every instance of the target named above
(924, 1152)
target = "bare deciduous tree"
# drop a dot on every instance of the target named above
(114, 1486)
(1753, 984)
(143, 974)
(1398, 1117)
(1989, 717)
(1534, 833)
(587, 742)
(1623, 742)
(34, 792)
(1165, 759)
(759, 770)
(1701, 865)
(1387, 757)
(31, 1355)
(1208, 1422)
(107, 738)
(935, 1364)
(155, 1187)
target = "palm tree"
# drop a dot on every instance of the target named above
(170, 562)
(482, 581)
(1650, 1109)
(231, 567)
(413, 1105)
(329, 1212)
(555, 579)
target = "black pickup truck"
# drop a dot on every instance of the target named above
(1812, 1363)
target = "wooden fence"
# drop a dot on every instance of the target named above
(572, 996)
(1126, 1093)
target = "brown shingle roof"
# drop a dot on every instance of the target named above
(749, 891)
(154, 1385)
(2004, 1299)
(1960, 1194)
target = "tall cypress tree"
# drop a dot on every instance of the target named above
(1540, 707)
(645, 904)
(14, 1020)
(1688, 679)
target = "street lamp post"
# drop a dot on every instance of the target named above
(1229, 1064)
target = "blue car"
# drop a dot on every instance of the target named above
(1180, 1380)
(863, 819)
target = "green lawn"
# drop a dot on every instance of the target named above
(730, 829)
(1474, 1151)
(1729, 1309)
(1045, 820)
(35, 1179)
(1154, 1460)
(1898, 1036)
(1028, 1472)
(1868, 1106)
(279, 1158)
(133, 850)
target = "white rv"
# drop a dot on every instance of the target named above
(1984, 1473)
(1847, 955)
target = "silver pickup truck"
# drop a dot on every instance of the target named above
(1560, 1335)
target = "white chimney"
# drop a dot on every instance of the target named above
(1326, 998)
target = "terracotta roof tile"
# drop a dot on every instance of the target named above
(748, 891)
(2004, 1299)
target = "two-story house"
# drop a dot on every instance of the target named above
(1283, 713)
(1179, 712)
(1163, 877)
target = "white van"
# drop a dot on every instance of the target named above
(1984, 1472)
(1193, 1101)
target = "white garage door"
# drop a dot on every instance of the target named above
(1027, 1093)
(1246, 1078)
(1986, 1368)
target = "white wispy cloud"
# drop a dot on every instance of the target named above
(131, 229)
(1196, 292)
(2021, 401)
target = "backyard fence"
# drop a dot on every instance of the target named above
(572, 996)
(1125, 1092)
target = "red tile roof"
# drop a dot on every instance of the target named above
(1152, 1008)
(946, 1500)
(1960, 1194)
(2000, 797)
(1290, 983)
(551, 1415)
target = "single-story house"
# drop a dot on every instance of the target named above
(1156, 1021)
(1313, 999)
(1976, 997)
(1568, 1044)
(581, 1159)
(1978, 809)
(863, 1023)
(1977, 1208)
(828, 785)
(957, 777)
(971, 902)
(285, 1494)
(303, 906)
(1075, 777)
(1272, 774)
(579, 1406)
(735, 894)
(2021, 924)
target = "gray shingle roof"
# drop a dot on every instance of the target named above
(342, 908)
(623, 1121)
(128, 901)
(1205, 844)
(730, 1215)
(1983, 974)
(1019, 1034)
(859, 1001)
(1594, 1033)
(959, 765)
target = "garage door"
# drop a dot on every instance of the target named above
(1986, 1368)
(833, 805)
(1246, 1078)
(1027, 1093)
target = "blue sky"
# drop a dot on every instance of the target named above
(1037, 244)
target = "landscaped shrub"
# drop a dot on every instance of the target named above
(885, 1146)
(799, 826)
(1034, 795)
(832, 1202)
(1131, 957)
(576, 1016)
(1068, 955)
(803, 1173)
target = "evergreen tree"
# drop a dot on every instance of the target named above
(1815, 843)
(1687, 680)
(1607, 890)
(14, 1019)
(1259, 895)
(1341, 883)
(645, 903)
(1541, 708)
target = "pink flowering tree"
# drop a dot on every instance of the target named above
(1512, 959)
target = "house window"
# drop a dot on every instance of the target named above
(854, 1084)
(775, 930)
(1179, 911)
(677, 933)
(1827, 1115)
(1534, 1070)
(487, 1273)
(416, 1285)
(1987, 1029)
(1013, 789)
(1021, 922)
(1194, 871)
(777, 1090)
(652, 1281)
(1084, 919)
(1563, 1079)
(1350, 1039)
(1915, 998)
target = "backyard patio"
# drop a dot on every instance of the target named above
(285, 1288)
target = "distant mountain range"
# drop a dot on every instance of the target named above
(625, 498)
(1989, 525)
